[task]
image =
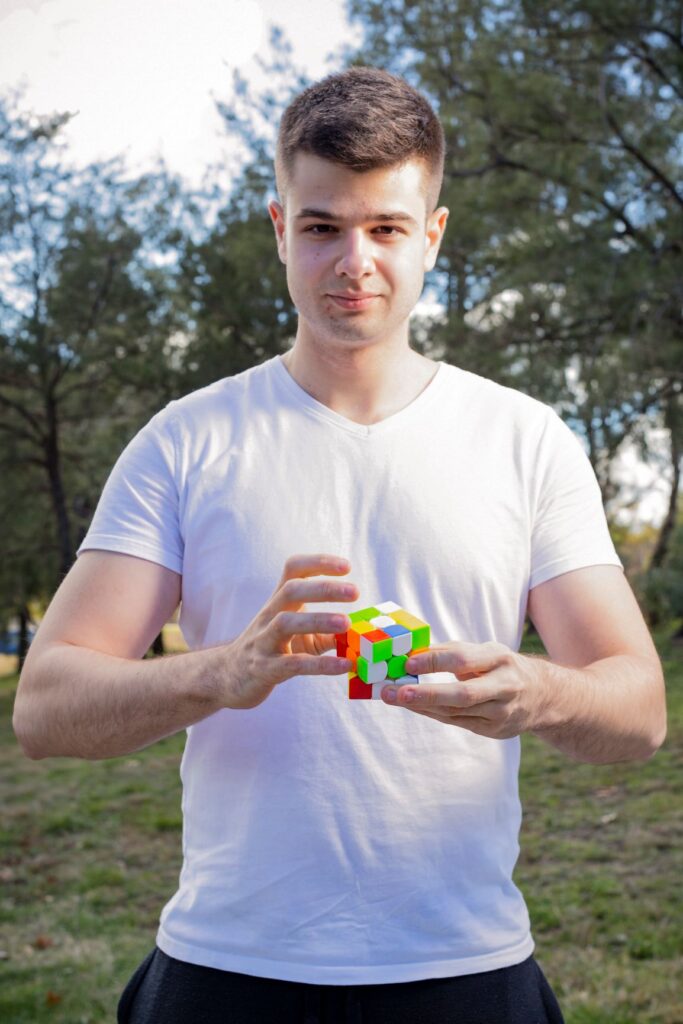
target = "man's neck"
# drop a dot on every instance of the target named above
(366, 384)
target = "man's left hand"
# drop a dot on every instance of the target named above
(495, 692)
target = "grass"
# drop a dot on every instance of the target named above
(601, 868)
(89, 853)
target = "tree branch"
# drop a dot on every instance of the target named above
(630, 147)
(658, 30)
(617, 213)
(647, 58)
(35, 424)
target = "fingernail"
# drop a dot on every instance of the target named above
(409, 696)
(389, 694)
(340, 622)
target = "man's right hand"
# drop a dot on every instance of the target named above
(285, 639)
(85, 692)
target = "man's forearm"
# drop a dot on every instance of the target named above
(612, 710)
(77, 702)
(74, 700)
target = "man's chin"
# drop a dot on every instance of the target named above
(351, 331)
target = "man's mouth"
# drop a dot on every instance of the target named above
(352, 300)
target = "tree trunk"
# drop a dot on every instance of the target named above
(668, 526)
(22, 640)
(54, 472)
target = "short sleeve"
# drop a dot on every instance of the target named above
(569, 525)
(137, 513)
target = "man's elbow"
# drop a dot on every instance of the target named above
(30, 719)
(654, 741)
(652, 734)
(25, 734)
(38, 743)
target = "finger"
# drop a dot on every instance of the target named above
(314, 565)
(285, 625)
(293, 593)
(311, 665)
(457, 697)
(462, 659)
(313, 643)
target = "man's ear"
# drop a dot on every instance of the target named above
(436, 225)
(277, 215)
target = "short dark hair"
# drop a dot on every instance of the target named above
(363, 118)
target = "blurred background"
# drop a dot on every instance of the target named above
(137, 263)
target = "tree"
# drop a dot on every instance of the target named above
(29, 561)
(86, 316)
(662, 585)
(237, 310)
(561, 270)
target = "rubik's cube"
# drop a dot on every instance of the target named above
(379, 643)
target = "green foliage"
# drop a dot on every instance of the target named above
(561, 268)
(662, 587)
(559, 273)
(86, 314)
(237, 306)
(232, 286)
(115, 296)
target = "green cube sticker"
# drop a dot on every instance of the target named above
(364, 615)
(420, 637)
(396, 666)
(381, 650)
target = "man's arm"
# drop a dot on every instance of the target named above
(84, 692)
(599, 698)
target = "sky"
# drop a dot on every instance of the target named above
(142, 77)
(141, 74)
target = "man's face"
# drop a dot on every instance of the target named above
(356, 247)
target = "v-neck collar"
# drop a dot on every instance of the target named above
(317, 409)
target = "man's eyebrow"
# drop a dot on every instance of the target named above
(310, 213)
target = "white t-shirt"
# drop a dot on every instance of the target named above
(325, 840)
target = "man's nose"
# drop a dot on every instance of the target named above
(356, 259)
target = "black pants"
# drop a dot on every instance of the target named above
(167, 991)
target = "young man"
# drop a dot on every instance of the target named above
(347, 860)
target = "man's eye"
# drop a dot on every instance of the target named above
(386, 229)
(320, 229)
